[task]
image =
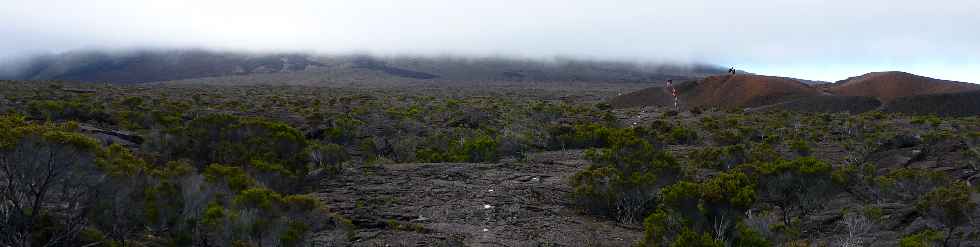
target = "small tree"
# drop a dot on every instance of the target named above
(712, 207)
(910, 184)
(329, 156)
(801, 184)
(855, 226)
(624, 179)
(49, 178)
(951, 205)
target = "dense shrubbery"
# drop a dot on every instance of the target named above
(273, 152)
(481, 148)
(82, 109)
(715, 209)
(69, 175)
(760, 197)
(371, 127)
(215, 170)
(580, 136)
(51, 175)
(720, 158)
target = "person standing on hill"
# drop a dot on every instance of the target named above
(732, 70)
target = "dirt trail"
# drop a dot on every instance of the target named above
(454, 204)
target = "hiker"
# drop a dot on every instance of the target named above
(731, 70)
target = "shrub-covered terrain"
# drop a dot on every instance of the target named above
(195, 165)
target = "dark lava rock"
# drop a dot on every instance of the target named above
(896, 158)
(902, 141)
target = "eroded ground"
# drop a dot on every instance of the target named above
(453, 204)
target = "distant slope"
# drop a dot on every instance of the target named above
(653, 96)
(149, 66)
(743, 91)
(722, 91)
(958, 104)
(529, 70)
(888, 86)
(172, 65)
(827, 103)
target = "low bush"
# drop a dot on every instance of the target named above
(624, 179)
(799, 185)
(950, 205)
(927, 238)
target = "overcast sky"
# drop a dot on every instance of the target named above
(810, 39)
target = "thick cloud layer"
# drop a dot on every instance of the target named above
(812, 39)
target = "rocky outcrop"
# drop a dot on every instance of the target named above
(109, 137)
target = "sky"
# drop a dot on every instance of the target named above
(811, 39)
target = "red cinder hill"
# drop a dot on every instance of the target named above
(722, 91)
(888, 86)
(885, 91)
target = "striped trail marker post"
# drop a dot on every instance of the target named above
(673, 92)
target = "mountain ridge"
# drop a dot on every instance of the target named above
(170, 65)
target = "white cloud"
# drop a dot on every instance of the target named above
(796, 37)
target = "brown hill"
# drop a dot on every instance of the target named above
(722, 91)
(888, 86)
(653, 96)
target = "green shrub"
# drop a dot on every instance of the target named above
(762, 153)
(258, 198)
(909, 184)
(682, 135)
(951, 205)
(234, 177)
(927, 238)
(271, 152)
(328, 156)
(727, 136)
(708, 207)
(689, 238)
(481, 148)
(623, 180)
(431, 155)
(931, 120)
(228, 139)
(801, 147)
(214, 216)
(720, 158)
(580, 136)
(796, 185)
(81, 109)
(746, 237)
(294, 234)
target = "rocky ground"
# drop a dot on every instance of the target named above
(512, 203)
(526, 202)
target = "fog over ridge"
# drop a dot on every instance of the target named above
(825, 40)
